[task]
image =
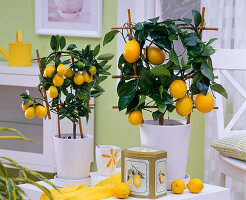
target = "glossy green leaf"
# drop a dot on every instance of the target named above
(219, 89)
(124, 101)
(211, 41)
(57, 42)
(96, 50)
(160, 70)
(106, 56)
(197, 17)
(3, 171)
(162, 108)
(206, 71)
(110, 36)
(53, 43)
(202, 87)
(156, 115)
(127, 88)
(71, 47)
(173, 57)
(142, 100)
(62, 42)
(147, 80)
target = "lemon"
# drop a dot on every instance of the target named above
(178, 89)
(80, 65)
(92, 70)
(195, 185)
(131, 51)
(155, 55)
(49, 70)
(162, 179)
(61, 70)
(26, 105)
(58, 80)
(135, 118)
(30, 113)
(78, 79)
(121, 190)
(130, 181)
(178, 186)
(40, 111)
(69, 73)
(136, 181)
(204, 103)
(87, 77)
(184, 106)
(53, 92)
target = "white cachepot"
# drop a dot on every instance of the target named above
(73, 157)
(173, 137)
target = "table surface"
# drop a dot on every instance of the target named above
(210, 192)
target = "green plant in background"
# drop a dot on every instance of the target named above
(150, 80)
(9, 189)
(70, 88)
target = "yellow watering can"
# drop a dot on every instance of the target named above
(19, 52)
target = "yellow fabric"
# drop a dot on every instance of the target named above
(102, 190)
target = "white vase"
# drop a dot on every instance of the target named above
(73, 157)
(173, 137)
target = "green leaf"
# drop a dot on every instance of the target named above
(71, 46)
(170, 107)
(147, 80)
(3, 171)
(96, 50)
(110, 36)
(142, 100)
(102, 63)
(53, 42)
(62, 42)
(220, 89)
(57, 42)
(127, 88)
(197, 17)
(107, 67)
(183, 62)
(173, 57)
(202, 87)
(162, 107)
(206, 71)
(161, 89)
(211, 41)
(100, 79)
(106, 56)
(99, 89)
(154, 20)
(11, 189)
(160, 70)
(125, 100)
(156, 115)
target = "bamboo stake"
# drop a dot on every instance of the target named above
(130, 20)
(44, 91)
(59, 126)
(202, 21)
(80, 128)
(188, 117)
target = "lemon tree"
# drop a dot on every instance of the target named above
(155, 75)
(71, 77)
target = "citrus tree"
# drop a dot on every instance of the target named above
(153, 75)
(71, 77)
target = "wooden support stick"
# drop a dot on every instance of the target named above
(59, 126)
(188, 117)
(130, 20)
(194, 107)
(44, 91)
(80, 128)
(202, 21)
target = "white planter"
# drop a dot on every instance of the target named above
(73, 157)
(174, 138)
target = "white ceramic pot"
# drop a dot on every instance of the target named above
(73, 157)
(173, 137)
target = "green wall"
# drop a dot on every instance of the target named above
(111, 127)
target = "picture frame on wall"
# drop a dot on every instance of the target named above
(80, 18)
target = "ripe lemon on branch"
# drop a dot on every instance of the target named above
(26, 105)
(69, 73)
(49, 70)
(184, 106)
(61, 70)
(204, 103)
(78, 79)
(53, 92)
(155, 55)
(40, 111)
(135, 118)
(30, 113)
(178, 89)
(58, 80)
(131, 51)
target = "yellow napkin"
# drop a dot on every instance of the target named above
(102, 190)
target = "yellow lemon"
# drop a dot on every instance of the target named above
(26, 105)
(69, 73)
(121, 190)
(58, 80)
(131, 51)
(92, 70)
(178, 186)
(155, 55)
(195, 185)
(87, 77)
(204, 103)
(135, 118)
(49, 70)
(178, 89)
(53, 92)
(184, 106)
(30, 113)
(136, 181)
(40, 111)
(162, 179)
(61, 70)
(130, 181)
(78, 79)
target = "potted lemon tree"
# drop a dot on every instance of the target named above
(71, 78)
(155, 78)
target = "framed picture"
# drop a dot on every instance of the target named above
(81, 18)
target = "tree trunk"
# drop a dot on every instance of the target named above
(161, 119)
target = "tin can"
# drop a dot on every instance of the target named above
(144, 171)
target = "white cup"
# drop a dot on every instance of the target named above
(107, 156)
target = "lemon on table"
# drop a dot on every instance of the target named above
(78, 79)
(178, 89)
(137, 181)
(87, 77)
(58, 80)
(184, 106)
(155, 55)
(40, 111)
(135, 118)
(204, 103)
(53, 92)
(121, 190)
(69, 73)
(61, 70)
(30, 113)
(49, 70)
(26, 105)
(178, 186)
(131, 51)
(195, 185)
(92, 70)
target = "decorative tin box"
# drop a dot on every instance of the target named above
(144, 170)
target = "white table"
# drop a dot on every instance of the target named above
(210, 192)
